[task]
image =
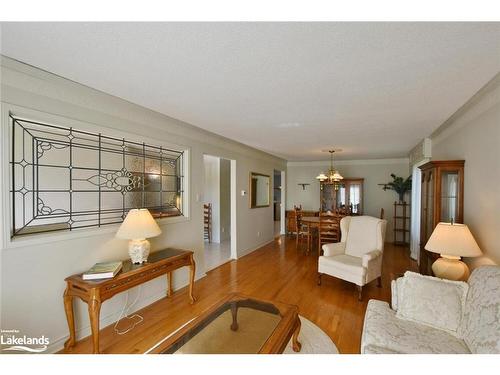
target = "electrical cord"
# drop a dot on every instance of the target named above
(125, 312)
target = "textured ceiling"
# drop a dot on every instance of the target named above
(291, 89)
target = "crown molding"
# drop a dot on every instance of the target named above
(319, 163)
(481, 101)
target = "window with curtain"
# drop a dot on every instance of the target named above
(354, 196)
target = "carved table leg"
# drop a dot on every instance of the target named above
(234, 313)
(70, 317)
(192, 271)
(169, 287)
(296, 345)
(94, 312)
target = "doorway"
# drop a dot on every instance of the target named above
(218, 212)
(278, 207)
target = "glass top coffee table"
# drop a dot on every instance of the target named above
(237, 324)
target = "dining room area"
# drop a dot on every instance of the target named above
(312, 229)
(338, 197)
(321, 193)
(347, 241)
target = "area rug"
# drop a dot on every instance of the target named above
(313, 339)
(246, 339)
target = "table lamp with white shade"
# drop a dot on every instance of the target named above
(137, 227)
(452, 241)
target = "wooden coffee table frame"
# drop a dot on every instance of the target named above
(288, 327)
(95, 292)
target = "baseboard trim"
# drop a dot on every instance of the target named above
(252, 249)
(84, 332)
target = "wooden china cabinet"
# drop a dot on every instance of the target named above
(347, 193)
(442, 200)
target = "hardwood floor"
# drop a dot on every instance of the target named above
(277, 271)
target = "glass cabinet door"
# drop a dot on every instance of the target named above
(327, 197)
(429, 205)
(424, 206)
(441, 201)
(449, 196)
(340, 194)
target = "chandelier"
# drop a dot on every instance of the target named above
(332, 175)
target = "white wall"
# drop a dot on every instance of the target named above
(217, 191)
(473, 134)
(33, 269)
(373, 171)
(211, 192)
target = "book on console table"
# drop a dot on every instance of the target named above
(105, 270)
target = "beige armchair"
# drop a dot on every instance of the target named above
(357, 258)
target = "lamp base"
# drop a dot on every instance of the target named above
(138, 250)
(451, 269)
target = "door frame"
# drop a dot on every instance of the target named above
(234, 232)
(233, 254)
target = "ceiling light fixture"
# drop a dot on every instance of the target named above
(332, 176)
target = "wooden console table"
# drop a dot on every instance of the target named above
(94, 292)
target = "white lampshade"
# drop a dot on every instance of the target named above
(337, 176)
(139, 224)
(453, 240)
(322, 177)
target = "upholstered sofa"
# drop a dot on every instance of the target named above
(431, 315)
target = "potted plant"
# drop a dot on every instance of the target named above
(399, 185)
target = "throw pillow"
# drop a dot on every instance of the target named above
(431, 301)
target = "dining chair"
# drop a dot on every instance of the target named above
(207, 221)
(342, 211)
(301, 231)
(328, 229)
